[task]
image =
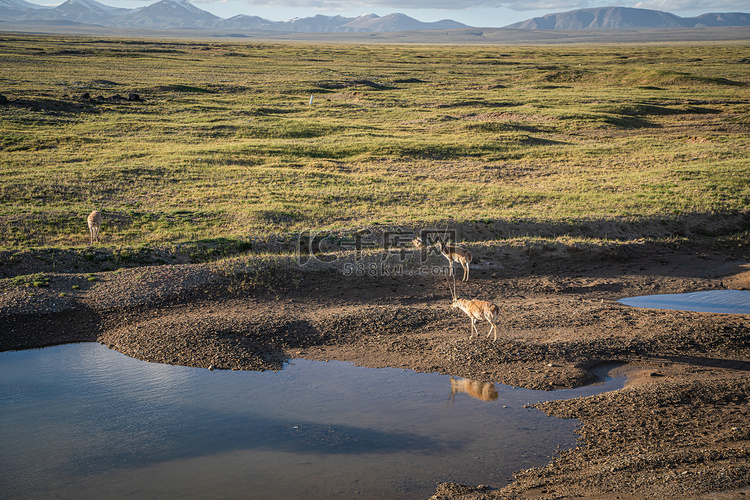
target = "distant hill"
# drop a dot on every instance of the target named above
(12, 9)
(80, 11)
(183, 15)
(726, 19)
(315, 24)
(177, 14)
(249, 23)
(398, 22)
(166, 14)
(627, 18)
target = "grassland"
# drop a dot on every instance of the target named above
(222, 146)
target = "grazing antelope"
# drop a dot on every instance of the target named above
(456, 254)
(95, 223)
(481, 390)
(477, 310)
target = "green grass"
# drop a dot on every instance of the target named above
(223, 144)
(38, 280)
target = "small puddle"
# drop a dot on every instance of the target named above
(82, 421)
(714, 301)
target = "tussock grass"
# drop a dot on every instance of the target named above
(223, 145)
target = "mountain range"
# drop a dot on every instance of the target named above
(181, 14)
(628, 18)
(170, 14)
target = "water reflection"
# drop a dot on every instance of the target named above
(484, 391)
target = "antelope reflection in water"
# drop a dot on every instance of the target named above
(474, 388)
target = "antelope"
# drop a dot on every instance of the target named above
(456, 254)
(95, 223)
(477, 310)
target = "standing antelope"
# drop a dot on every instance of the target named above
(477, 310)
(456, 254)
(95, 223)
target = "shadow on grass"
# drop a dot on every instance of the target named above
(712, 230)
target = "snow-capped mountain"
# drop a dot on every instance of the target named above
(166, 14)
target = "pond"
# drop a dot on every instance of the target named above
(715, 301)
(83, 421)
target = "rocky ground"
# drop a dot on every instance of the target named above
(679, 428)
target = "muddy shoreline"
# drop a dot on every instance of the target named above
(680, 427)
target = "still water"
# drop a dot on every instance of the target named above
(82, 421)
(715, 301)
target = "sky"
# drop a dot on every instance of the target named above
(478, 13)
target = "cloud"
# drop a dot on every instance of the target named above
(549, 5)
(516, 5)
(693, 5)
(421, 4)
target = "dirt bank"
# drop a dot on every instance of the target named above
(680, 427)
